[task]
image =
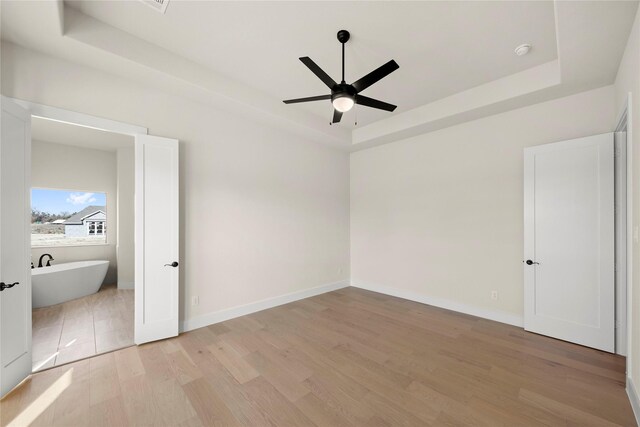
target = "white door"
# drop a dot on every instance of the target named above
(15, 247)
(157, 253)
(569, 241)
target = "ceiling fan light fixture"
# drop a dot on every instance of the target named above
(343, 103)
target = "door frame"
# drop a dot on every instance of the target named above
(79, 119)
(620, 215)
(624, 124)
(88, 121)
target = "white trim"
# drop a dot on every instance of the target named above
(625, 119)
(495, 315)
(243, 310)
(623, 116)
(79, 119)
(126, 285)
(622, 236)
(624, 125)
(634, 399)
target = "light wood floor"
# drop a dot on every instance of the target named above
(347, 358)
(83, 327)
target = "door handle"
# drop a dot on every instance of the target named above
(529, 262)
(4, 286)
(173, 264)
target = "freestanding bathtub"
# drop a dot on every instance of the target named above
(64, 282)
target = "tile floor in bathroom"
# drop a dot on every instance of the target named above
(82, 327)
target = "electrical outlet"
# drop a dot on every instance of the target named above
(494, 295)
(195, 300)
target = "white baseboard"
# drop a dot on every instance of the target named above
(498, 316)
(632, 392)
(242, 310)
(126, 285)
(231, 313)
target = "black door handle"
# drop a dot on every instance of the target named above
(173, 264)
(4, 286)
(529, 262)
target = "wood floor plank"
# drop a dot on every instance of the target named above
(267, 398)
(140, 405)
(241, 370)
(173, 404)
(104, 383)
(346, 358)
(279, 378)
(320, 413)
(246, 411)
(211, 410)
(73, 406)
(185, 370)
(128, 363)
(156, 366)
(109, 413)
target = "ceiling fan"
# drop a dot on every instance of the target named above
(343, 96)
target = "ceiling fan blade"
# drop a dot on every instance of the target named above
(377, 74)
(315, 69)
(308, 99)
(374, 103)
(337, 115)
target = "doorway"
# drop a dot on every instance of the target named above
(156, 230)
(82, 223)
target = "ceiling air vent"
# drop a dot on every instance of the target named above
(159, 5)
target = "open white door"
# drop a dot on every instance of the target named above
(569, 241)
(15, 247)
(157, 244)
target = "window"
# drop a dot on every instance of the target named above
(97, 228)
(68, 218)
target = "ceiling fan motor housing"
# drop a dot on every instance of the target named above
(341, 90)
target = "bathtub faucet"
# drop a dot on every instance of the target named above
(48, 261)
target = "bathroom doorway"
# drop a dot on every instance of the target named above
(156, 229)
(82, 242)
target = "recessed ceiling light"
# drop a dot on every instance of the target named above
(523, 49)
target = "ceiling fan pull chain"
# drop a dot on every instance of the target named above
(355, 109)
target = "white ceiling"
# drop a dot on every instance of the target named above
(68, 134)
(456, 58)
(442, 47)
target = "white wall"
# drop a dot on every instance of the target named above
(440, 216)
(67, 167)
(126, 218)
(263, 213)
(628, 80)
